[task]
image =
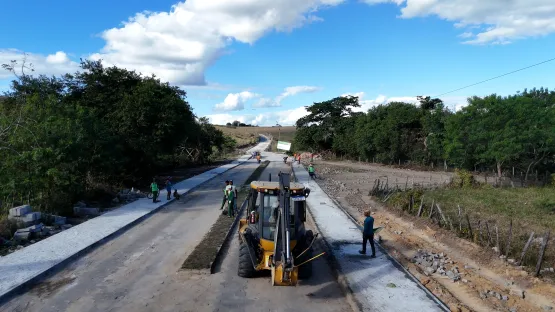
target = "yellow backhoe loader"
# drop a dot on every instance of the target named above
(273, 235)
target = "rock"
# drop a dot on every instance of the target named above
(468, 267)
(20, 235)
(505, 298)
(454, 308)
(81, 204)
(464, 280)
(116, 200)
(513, 309)
(498, 295)
(495, 249)
(66, 226)
(547, 308)
(424, 281)
(35, 228)
(391, 285)
(83, 211)
(518, 292)
(33, 241)
(483, 295)
(20, 211)
(59, 220)
(19, 247)
(430, 270)
(511, 261)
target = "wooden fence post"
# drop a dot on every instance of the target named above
(542, 253)
(509, 239)
(526, 246)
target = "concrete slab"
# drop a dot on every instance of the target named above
(378, 284)
(27, 264)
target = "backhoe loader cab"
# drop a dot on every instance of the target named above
(273, 235)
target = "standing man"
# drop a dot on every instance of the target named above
(154, 189)
(169, 187)
(368, 234)
(230, 201)
(225, 194)
(233, 190)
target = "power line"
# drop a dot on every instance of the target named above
(514, 71)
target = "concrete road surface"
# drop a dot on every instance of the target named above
(139, 270)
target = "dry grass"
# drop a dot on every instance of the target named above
(530, 209)
(249, 135)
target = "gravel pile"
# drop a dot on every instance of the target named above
(437, 263)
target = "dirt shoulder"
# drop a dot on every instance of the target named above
(486, 283)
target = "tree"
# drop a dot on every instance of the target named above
(64, 137)
(324, 121)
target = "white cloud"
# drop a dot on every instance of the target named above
(287, 92)
(53, 64)
(179, 45)
(235, 101)
(284, 118)
(290, 117)
(499, 21)
(454, 103)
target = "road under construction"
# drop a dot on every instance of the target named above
(140, 270)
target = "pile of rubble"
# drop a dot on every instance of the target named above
(437, 263)
(127, 196)
(31, 227)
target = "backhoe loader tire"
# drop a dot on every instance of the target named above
(245, 263)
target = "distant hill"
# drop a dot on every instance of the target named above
(249, 135)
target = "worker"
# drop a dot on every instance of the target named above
(235, 194)
(225, 194)
(154, 189)
(299, 159)
(230, 202)
(169, 187)
(258, 157)
(368, 234)
(311, 171)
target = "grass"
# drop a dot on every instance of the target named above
(530, 209)
(205, 252)
(249, 135)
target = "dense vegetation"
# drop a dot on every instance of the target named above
(62, 138)
(492, 132)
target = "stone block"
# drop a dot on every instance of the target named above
(35, 228)
(20, 211)
(59, 220)
(32, 216)
(84, 211)
(22, 235)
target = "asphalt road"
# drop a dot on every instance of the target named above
(139, 270)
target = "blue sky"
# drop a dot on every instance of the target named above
(260, 61)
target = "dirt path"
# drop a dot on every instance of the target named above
(139, 271)
(403, 236)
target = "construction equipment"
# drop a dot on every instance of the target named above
(273, 235)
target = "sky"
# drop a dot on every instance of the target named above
(262, 61)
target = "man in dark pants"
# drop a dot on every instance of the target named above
(368, 234)
(155, 190)
(225, 194)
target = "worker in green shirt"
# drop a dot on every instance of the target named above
(225, 194)
(311, 170)
(230, 202)
(154, 189)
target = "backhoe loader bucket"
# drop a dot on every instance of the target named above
(291, 276)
